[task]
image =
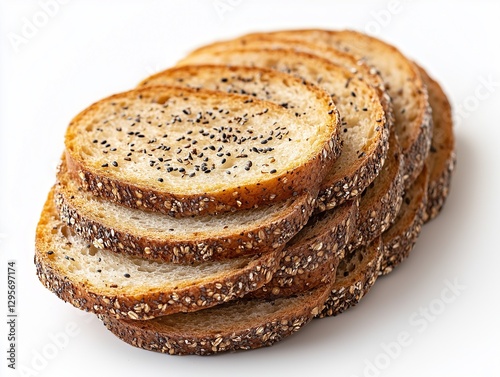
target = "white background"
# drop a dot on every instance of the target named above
(87, 50)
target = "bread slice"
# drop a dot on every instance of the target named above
(102, 282)
(157, 148)
(400, 238)
(156, 236)
(442, 156)
(312, 256)
(239, 325)
(355, 276)
(265, 41)
(364, 126)
(381, 201)
(403, 82)
(251, 323)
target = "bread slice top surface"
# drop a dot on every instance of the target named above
(404, 84)
(92, 278)
(157, 236)
(187, 144)
(364, 127)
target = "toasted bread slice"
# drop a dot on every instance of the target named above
(355, 276)
(239, 325)
(156, 236)
(442, 157)
(158, 148)
(403, 82)
(381, 201)
(364, 126)
(312, 256)
(400, 238)
(116, 284)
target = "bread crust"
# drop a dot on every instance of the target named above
(380, 203)
(311, 258)
(263, 237)
(442, 157)
(274, 189)
(264, 331)
(156, 302)
(400, 239)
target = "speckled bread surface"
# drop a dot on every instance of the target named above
(404, 84)
(156, 148)
(364, 126)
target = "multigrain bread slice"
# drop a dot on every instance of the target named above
(312, 256)
(355, 276)
(156, 236)
(158, 148)
(400, 238)
(442, 156)
(102, 282)
(364, 126)
(239, 325)
(403, 82)
(380, 203)
(263, 41)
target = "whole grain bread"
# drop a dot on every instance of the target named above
(364, 127)
(312, 256)
(355, 276)
(442, 157)
(239, 325)
(380, 203)
(156, 236)
(102, 282)
(156, 149)
(400, 238)
(403, 82)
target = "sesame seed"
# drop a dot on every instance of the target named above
(273, 171)
(127, 275)
(115, 164)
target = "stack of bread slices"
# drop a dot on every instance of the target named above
(262, 182)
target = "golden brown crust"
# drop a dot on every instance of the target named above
(171, 337)
(401, 237)
(311, 257)
(442, 156)
(351, 286)
(158, 302)
(264, 237)
(274, 189)
(380, 203)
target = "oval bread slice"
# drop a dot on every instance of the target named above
(156, 236)
(403, 82)
(189, 152)
(240, 325)
(364, 127)
(102, 282)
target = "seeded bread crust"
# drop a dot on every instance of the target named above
(272, 188)
(175, 336)
(138, 303)
(313, 255)
(341, 184)
(442, 157)
(400, 238)
(78, 211)
(355, 276)
(417, 145)
(380, 203)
